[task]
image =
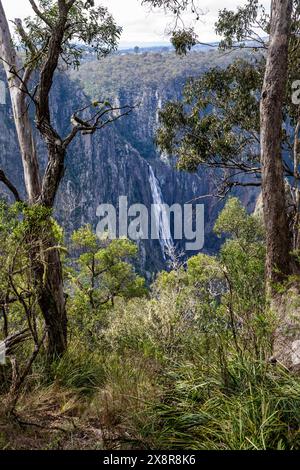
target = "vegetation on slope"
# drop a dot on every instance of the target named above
(185, 365)
(106, 77)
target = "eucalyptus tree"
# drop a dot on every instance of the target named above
(242, 120)
(56, 34)
(220, 123)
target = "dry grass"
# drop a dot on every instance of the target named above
(50, 418)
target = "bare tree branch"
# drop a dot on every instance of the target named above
(9, 185)
(93, 124)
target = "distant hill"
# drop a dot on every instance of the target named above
(105, 77)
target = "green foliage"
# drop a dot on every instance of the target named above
(217, 123)
(87, 26)
(79, 369)
(183, 41)
(207, 334)
(101, 275)
(19, 227)
(210, 293)
(200, 410)
(203, 128)
(153, 327)
(110, 76)
(186, 367)
(238, 27)
(243, 258)
(175, 6)
(104, 271)
(235, 222)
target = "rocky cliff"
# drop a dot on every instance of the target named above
(115, 161)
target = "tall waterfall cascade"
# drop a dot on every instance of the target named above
(161, 217)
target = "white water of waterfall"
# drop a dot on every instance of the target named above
(161, 217)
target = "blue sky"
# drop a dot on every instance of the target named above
(140, 24)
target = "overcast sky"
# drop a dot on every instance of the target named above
(140, 25)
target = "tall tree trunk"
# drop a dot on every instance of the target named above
(20, 110)
(52, 300)
(48, 274)
(273, 188)
(279, 263)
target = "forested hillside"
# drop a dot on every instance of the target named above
(148, 69)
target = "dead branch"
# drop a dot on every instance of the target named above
(17, 385)
(15, 339)
(9, 186)
(95, 122)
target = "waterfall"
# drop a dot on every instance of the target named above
(161, 216)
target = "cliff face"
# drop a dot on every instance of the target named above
(114, 162)
(176, 186)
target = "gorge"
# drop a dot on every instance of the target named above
(122, 159)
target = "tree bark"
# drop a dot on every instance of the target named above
(279, 243)
(20, 111)
(48, 275)
(278, 261)
(52, 301)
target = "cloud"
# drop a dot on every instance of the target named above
(140, 23)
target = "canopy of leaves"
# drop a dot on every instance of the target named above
(248, 24)
(218, 121)
(104, 271)
(176, 7)
(243, 257)
(183, 40)
(19, 226)
(231, 282)
(234, 221)
(87, 26)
